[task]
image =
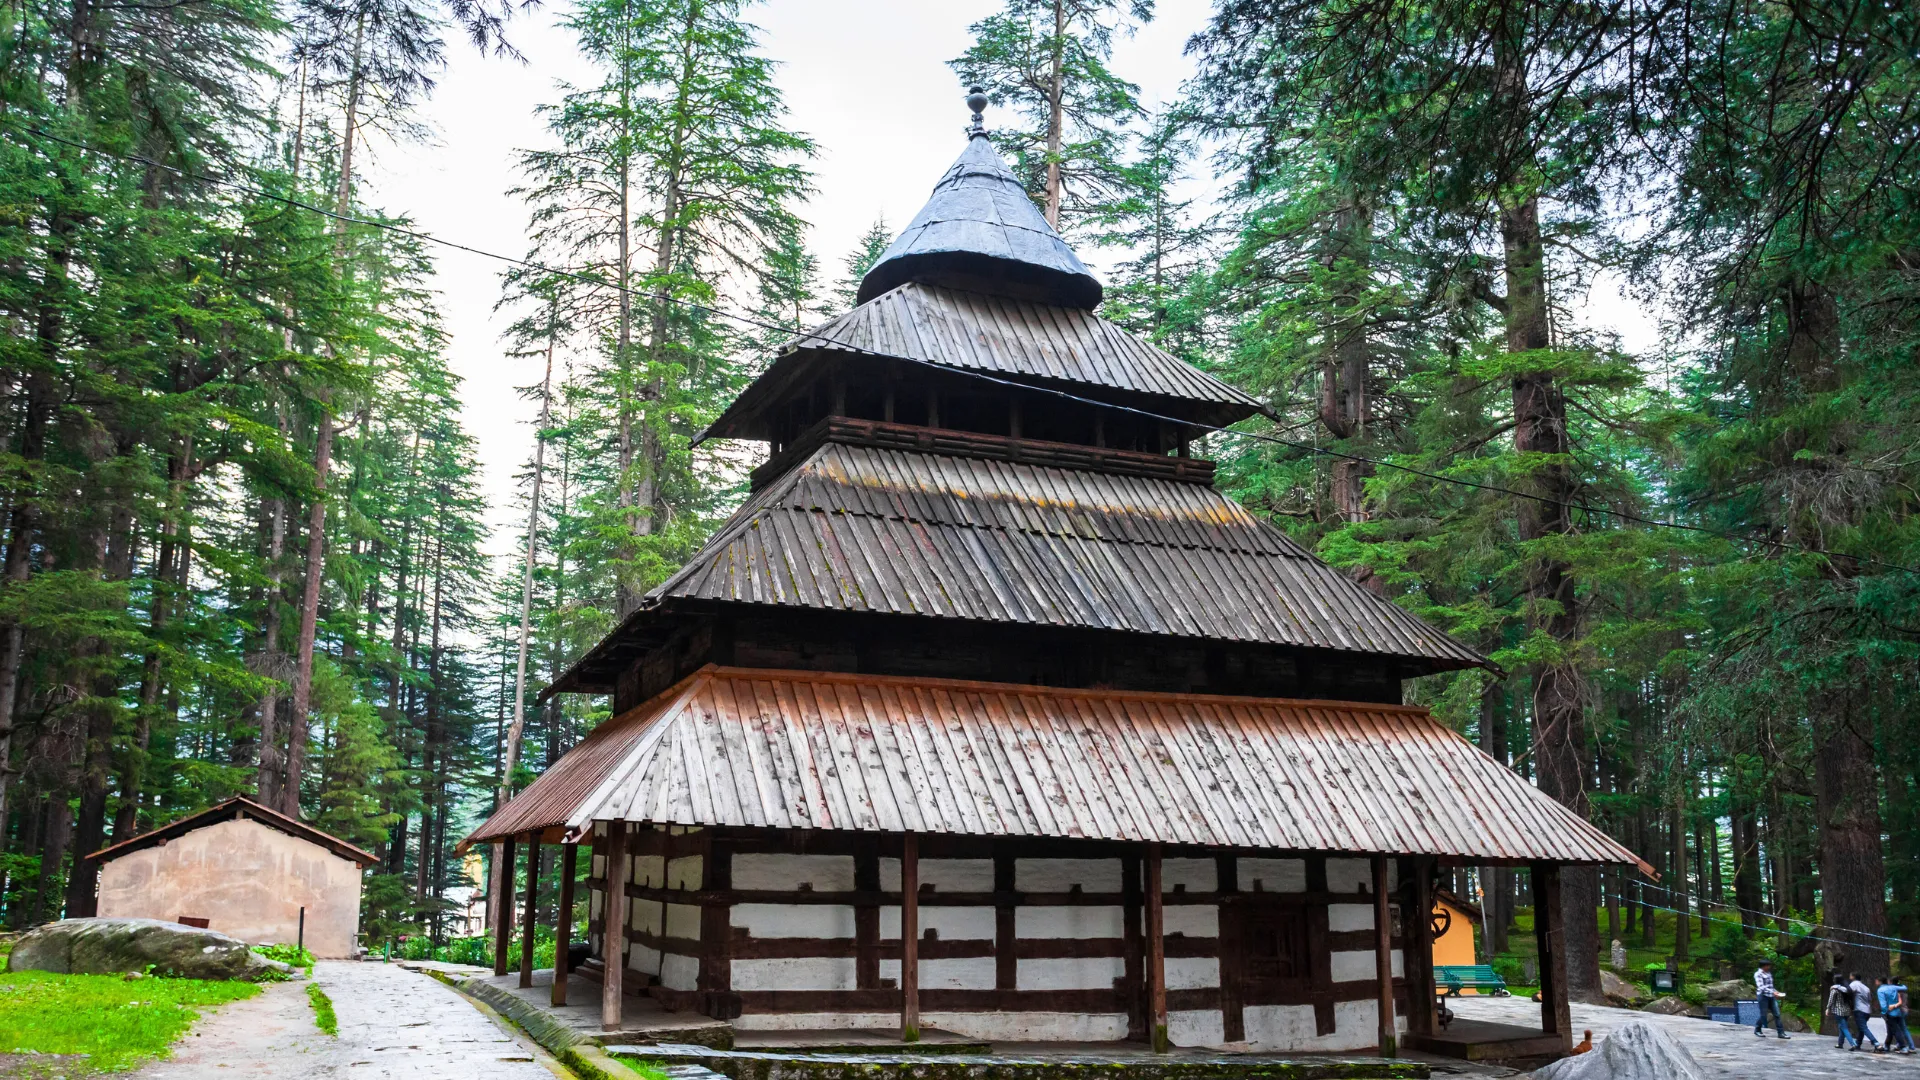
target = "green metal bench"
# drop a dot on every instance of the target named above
(1453, 978)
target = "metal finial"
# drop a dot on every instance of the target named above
(977, 101)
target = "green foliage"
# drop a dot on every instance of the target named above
(1015, 55)
(287, 954)
(323, 1016)
(116, 1022)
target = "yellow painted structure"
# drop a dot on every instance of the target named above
(1454, 947)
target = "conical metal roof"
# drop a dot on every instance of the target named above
(981, 233)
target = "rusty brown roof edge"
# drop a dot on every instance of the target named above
(666, 706)
(660, 704)
(237, 806)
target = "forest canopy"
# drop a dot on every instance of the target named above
(245, 537)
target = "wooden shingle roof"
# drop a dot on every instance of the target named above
(1040, 344)
(875, 529)
(872, 753)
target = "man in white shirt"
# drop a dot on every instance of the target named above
(1769, 1000)
(1862, 1008)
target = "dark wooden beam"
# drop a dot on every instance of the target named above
(1417, 916)
(1156, 954)
(502, 904)
(1134, 947)
(1556, 1017)
(1383, 957)
(613, 942)
(1006, 961)
(909, 938)
(531, 913)
(1232, 972)
(563, 922)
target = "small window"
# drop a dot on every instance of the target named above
(1276, 943)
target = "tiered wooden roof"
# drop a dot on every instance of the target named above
(813, 750)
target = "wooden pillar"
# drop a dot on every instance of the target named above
(503, 904)
(910, 938)
(563, 924)
(1135, 943)
(1556, 1017)
(530, 915)
(1233, 1011)
(1383, 957)
(1156, 954)
(613, 940)
(1416, 893)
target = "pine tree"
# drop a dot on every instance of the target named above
(1046, 60)
(866, 252)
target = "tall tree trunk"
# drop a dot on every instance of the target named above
(510, 754)
(1746, 866)
(1056, 121)
(22, 529)
(166, 589)
(626, 595)
(1346, 360)
(1540, 419)
(298, 719)
(1852, 867)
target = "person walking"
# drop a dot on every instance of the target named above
(1893, 1006)
(1769, 1000)
(1840, 1007)
(1862, 1010)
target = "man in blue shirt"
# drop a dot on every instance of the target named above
(1769, 1000)
(1893, 1007)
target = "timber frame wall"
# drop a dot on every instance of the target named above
(1021, 938)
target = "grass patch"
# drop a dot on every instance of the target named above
(287, 954)
(323, 1017)
(117, 1023)
(650, 1070)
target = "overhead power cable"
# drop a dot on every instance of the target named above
(803, 337)
(1704, 902)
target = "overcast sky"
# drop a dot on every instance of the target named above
(867, 79)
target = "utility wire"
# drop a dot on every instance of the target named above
(805, 337)
(1704, 902)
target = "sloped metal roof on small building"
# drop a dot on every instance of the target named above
(868, 529)
(811, 750)
(979, 224)
(1020, 339)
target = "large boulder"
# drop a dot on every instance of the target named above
(1728, 991)
(113, 946)
(1668, 1006)
(1619, 991)
(1635, 1051)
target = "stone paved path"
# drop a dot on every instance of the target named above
(1725, 1051)
(394, 1025)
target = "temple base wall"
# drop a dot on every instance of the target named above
(1021, 939)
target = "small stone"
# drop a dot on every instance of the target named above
(1728, 991)
(1667, 1006)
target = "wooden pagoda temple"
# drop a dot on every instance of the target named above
(987, 711)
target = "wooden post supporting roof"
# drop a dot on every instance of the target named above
(563, 924)
(1556, 1017)
(502, 904)
(910, 938)
(531, 916)
(613, 938)
(1417, 921)
(1156, 954)
(1383, 957)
